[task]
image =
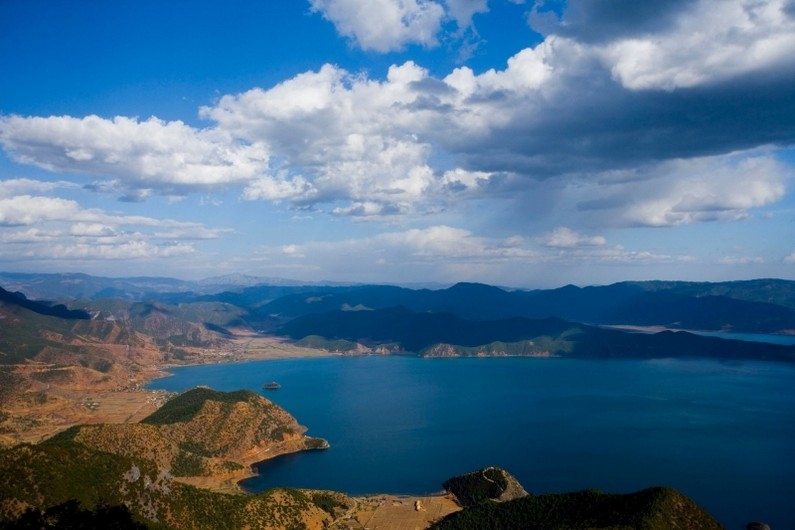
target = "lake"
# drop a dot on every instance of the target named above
(722, 433)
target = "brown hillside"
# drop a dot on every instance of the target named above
(204, 433)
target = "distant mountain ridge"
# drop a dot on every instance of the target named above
(464, 319)
(755, 306)
(78, 285)
(444, 334)
(103, 339)
(58, 310)
(677, 305)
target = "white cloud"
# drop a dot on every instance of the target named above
(292, 250)
(139, 155)
(442, 241)
(447, 254)
(34, 228)
(84, 242)
(29, 210)
(563, 237)
(680, 192)
(741, 260)
(21, 186)
(371, 142)
(421, 244)
(385, 25)
(459, 179)
(190, 231)
(134, 249)
(92, 230)
(279, 188)
(392, 25)
(346, 137)
(790, 258)
(462, 11)
(414, 144)
(370, 209)
(29, 235)
(709, 42)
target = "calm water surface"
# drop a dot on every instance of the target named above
(722, 433)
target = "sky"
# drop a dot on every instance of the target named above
(517, 143)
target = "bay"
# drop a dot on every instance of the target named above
(722, 433)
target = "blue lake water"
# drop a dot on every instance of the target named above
(722, 433)
(786, 340)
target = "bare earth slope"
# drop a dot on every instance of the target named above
(203, 435)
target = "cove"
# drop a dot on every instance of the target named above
(722, 433)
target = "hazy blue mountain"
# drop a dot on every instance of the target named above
(753, 306)
(401, 329)
(57, 310)
(675, 305)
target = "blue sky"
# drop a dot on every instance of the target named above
(519, 143)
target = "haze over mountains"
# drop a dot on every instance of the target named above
(764, 305)
(464, 319)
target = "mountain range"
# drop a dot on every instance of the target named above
(579, 321)
(65, 339)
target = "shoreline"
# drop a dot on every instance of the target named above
(40, 410)
(287, 351)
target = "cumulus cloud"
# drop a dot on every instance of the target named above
(450, 242)
(385, 25)
(29, 235)
(279, 188)
(679, 192)
(98, 230)
(52, 228)
(21, 186)
(28, 210)
(656, 102)
(138, 155)
(668, 44)
(462, 11)
(35, 244)
(554, 110)
(790, 258)
(344, 136)
(708, 42)
(392, 25)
